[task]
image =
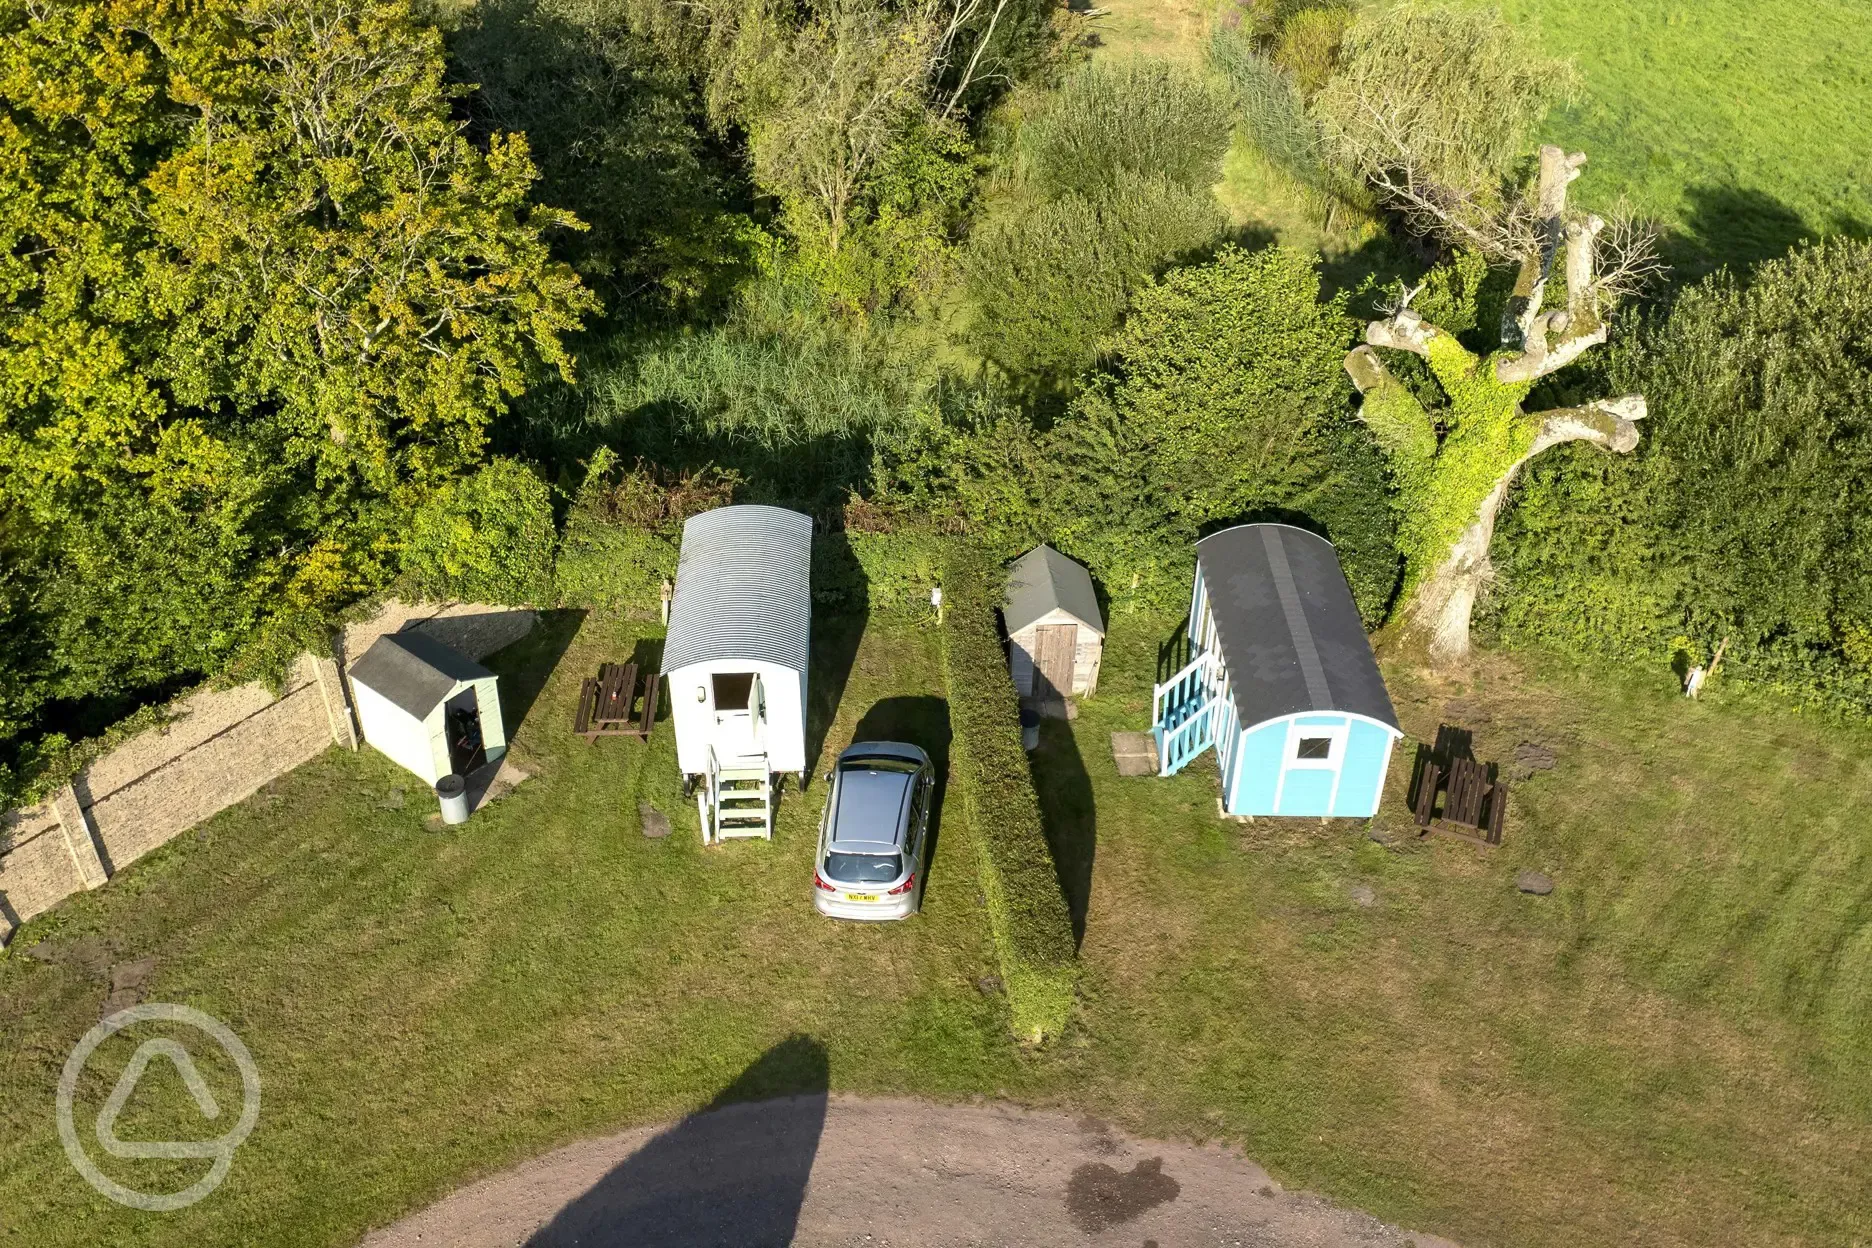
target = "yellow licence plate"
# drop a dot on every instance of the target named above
(861, 896)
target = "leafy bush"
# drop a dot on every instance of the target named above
(1451, 89)
(1027, 912)
(487, 537)
(1742, 513)
(1146, 118)
(887, 571)
(1224, 400)
(898, 252)
(624, 532)
(1050, 281)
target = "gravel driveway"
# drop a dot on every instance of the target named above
(819, 1172)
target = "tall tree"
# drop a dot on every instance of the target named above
(257, 292)
(1453, 467)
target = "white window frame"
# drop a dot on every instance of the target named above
(1339, 734)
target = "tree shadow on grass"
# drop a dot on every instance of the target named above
(841, 601)
(1739, 227)
(921, 721)
(732, 1175)
(526, 665)
(1069, 815)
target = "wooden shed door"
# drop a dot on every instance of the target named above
(1053, 659)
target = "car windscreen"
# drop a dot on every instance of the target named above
(863, 868)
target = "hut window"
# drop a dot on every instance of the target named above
(1314, 747)
(732, 691)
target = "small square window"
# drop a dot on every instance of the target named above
(1314, 747)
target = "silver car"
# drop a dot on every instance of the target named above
(875, 833)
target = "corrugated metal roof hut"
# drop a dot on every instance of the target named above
(1053, 622)
(1283, 682)
(427, 706)
(739, 638)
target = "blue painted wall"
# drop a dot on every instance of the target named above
(1257, 768)
(1256, 758)
(1361, 776)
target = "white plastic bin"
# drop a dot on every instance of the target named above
(452, 792)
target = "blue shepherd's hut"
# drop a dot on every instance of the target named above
(1282, 681)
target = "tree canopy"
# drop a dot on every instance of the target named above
(256, 289)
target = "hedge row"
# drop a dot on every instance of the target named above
(616, 567)
(1026, 909)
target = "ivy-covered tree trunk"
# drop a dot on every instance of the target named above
(1453, 468)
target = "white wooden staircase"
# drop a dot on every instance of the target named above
(735, 800)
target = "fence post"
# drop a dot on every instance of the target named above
(80, 840)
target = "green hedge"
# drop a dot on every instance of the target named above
(888, 573)
(1026, 909)
(615, 568)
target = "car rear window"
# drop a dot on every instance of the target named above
(863, 868)
(881, 762)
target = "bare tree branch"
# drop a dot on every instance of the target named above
(1607, 423)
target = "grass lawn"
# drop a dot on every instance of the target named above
(1671, 1049)
(1739, 127)
(425, 1006)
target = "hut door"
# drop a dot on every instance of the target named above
(739, 708)
(461, 723)
(1053, 660)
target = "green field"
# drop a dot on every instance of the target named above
(1739, 127)
(1672, 1049)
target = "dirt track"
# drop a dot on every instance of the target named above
(885, 1174)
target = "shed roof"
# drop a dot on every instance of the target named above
(414, 671)
(1287, 626)
(1043, 581)
(743, 589)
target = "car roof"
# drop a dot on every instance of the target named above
(872, 812)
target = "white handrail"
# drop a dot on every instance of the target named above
(1200, 666)
(711, 805)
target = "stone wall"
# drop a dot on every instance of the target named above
(216, 747)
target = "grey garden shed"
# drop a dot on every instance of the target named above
(1056, 631)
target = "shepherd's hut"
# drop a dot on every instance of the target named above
(1281, 681)
(1055, 630)
(735, 661)
(427, 706)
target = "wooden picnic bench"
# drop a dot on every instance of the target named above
(609, 707)
(1470, 800)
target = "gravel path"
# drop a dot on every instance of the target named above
(858, 1173)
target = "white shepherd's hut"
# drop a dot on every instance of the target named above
(427, 706)
(734, 662)
(1056, 633)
